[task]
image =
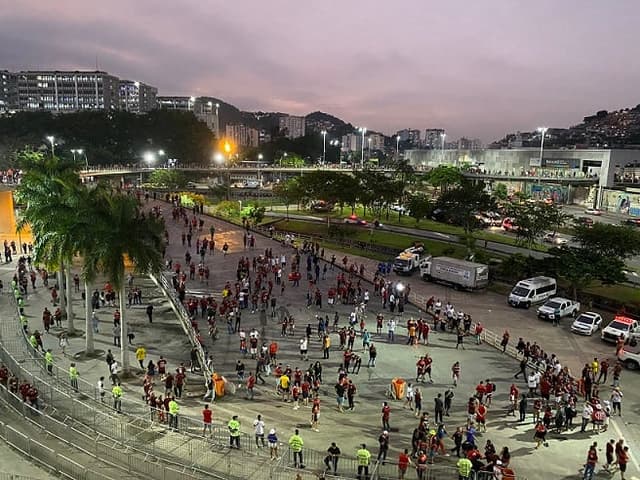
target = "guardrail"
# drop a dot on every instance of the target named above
(82, 411)
(185, 322)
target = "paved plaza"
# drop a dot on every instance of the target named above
(561, 459)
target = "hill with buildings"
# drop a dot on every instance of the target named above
(604, 129)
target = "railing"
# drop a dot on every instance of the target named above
(83, 412)
(185, 322)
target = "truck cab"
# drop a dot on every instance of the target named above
(621, 325)
(409, 260)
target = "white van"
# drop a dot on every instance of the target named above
(532, 290)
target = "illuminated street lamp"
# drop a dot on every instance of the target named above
(52, 141)
(398, 146)
(363, 130)
(543, 133)
(324, 146)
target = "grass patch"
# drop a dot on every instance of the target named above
(425, 224)
(621, 293)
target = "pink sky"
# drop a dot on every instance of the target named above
(478, 69)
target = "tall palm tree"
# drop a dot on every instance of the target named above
(50, 189)
(124, 232)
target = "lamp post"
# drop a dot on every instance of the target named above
(336, 143)
(369, 148)
(73, 150)
(543, 133)
(86, 160)
(363, 130)
(52, 141)
(398, 146)
(260, 157)
(324, 146)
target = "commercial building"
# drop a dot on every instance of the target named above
(137, 97)
(577, 175)
(243, 136)
(292, 126)
(469, 144)
(67, 91)
(8, 91)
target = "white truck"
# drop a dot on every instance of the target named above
(408, 260)
(459, 273)
(557, 307)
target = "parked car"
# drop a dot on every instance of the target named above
(630, 357)
(587, 323)
(620, 326)
(398, 208)
(593, 211)
(557, 308)
(634, 222)
(355, 220)
(554, 238)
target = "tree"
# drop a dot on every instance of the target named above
(533, 219)
(500, 191)
(125, 234)
(173, 179)
(579, 267)
(445, 176)
(418, 206)
(289, 192)
(614, 241)
(462, 203)
(50, 189)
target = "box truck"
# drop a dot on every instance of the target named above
(459, 273)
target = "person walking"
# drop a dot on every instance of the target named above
(363, 457)
(386, 414)
(272, 439)
(141, 354)
(592, 460)
(404, 460)
(616, 401)
(460, 338)
(438, 409)
(101, 390)
(522, 407)
(295, 444)
(116, 393)
(383, 443)
(48, 361)
(174, 409)
(331, 460)
(150, 313)
(234, 432)
(73, 376)
(258, 427)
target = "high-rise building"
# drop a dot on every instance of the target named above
(137, 97)
(377, 141)
(292, 126)
(8, 91)
(433, 138)
(67, 91)
(469, 144)
(409, 135)
(242, 135)
(202, 107)
(351, 142)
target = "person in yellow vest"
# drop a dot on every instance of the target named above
(234, 432)
(73, 376)
(48, 361)
(174, 409)
(141, 354)
(116, 393)
(364, 459)
(296, 444)
(326, 345)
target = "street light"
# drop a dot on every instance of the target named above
(543, 132)
(369, 147)
(443, 136)
(149, 157)
(363, 130)
(192, 103)
(324, 146)
(398, 146)
(52, 140)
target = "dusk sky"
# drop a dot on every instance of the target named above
(477, 68)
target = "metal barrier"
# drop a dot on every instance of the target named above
(130, 439)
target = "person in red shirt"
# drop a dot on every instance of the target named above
(592, 460)
(162, 366)
(207, 416)
(386, 414)
(481, 417)
(403, 464)
(251, 382)
(478, 333)
(480, 391)
(513, 399)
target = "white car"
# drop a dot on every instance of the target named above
(555, 239)
(557, 308)
(593, 211)
(398, 208)
(587, 323)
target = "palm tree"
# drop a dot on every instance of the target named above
(50, 190)
(124, 233)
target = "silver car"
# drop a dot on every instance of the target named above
(587, 323)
